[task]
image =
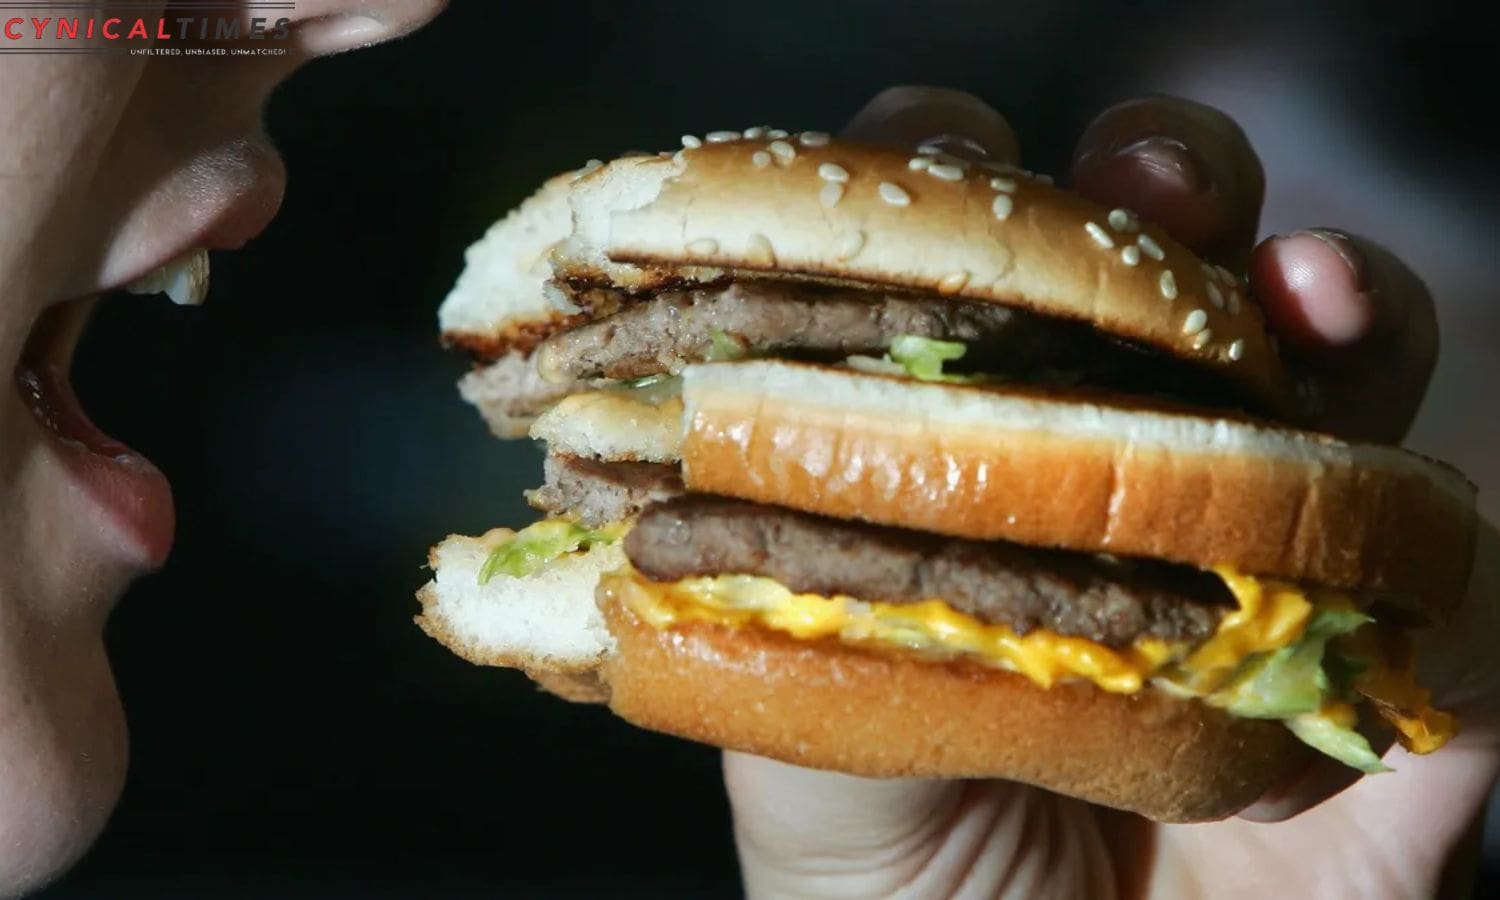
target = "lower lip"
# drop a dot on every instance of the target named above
(130, 492)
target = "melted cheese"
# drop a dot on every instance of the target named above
(1269, 617)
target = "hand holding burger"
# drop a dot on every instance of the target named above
(1366, 323)
(906, 463)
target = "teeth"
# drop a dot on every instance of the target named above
(184, 279)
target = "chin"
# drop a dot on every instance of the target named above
(64, 746)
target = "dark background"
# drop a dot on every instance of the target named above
(293, 734)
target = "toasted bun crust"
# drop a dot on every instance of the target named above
(1019, 465)
(829, 706)
(642, 221)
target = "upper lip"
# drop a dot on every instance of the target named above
(225, 221)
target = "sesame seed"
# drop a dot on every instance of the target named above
(1100, 236)
(945, 171)
(1195, 322)
(952, 284)
(1130, 255)
(1150, 248)
(1002, 205)
(1215, 296)
(929, 150)
(1234, 302)
(721, 137)
(761, 159)
(1224, 274)
(782, 151)
(704, 246)
(1237, 349)
(691, 142)
(1208, 270)
(918, 163)
(776, 134)
(831, 194)
(833, 172)
(814, 138)
(1007, 185)
(1203, 338)
(893, 194)
(679, 158)
(1119, 219)
(1043, 178)
(849, 244)
(760, 251)
(1168, 284)
(754, 131)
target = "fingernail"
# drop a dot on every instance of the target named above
(1340, 243)
(1167, 157)
(955, 145)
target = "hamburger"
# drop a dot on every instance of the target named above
(897, 464)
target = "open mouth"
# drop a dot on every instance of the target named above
(130, 493)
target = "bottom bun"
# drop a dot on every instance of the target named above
(826, 705)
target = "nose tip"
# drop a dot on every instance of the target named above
(323, 27)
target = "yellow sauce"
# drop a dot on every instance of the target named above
(1269, 617)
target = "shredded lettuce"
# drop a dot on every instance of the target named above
(1340, 741)
(1290, 681)
(923, 358)
(536, 545)
(1305, 685)
(724, 347)
(652, 389)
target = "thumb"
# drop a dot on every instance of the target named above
(807, 832)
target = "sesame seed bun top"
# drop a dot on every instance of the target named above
(767, 204)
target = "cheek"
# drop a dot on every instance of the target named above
(62, 754)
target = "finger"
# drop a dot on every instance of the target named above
(1320, 780)
(1357, 321)
(799, 827)
(1185, 166)
(957, 122)
(1323, 778)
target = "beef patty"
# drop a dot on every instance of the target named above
(1099, 598)
(635, 337)
(510, 387)
(599, 493)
